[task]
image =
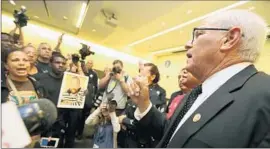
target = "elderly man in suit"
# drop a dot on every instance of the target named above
(231, 108)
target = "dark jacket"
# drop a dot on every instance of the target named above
(158, 97)
(237, 115)
(134, 137)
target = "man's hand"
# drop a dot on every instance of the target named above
(120, 118)
(139, 93)
(119, 76)
(107, 71)
(35, 138)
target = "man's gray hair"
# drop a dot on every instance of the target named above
(253, 27)
(43, 43)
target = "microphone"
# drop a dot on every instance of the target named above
(38, 115)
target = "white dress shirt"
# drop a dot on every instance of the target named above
(209, 86)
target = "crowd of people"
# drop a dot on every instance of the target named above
(222, 100)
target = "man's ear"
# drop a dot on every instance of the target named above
(231, 41)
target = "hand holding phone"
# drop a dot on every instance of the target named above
(49, 142)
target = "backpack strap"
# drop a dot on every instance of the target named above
(126, 78)
(13, 88)
(38, 87)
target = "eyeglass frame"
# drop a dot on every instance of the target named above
(205, 28)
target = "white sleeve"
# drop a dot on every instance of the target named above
(92, 117)
(115, 122)
(138, 115)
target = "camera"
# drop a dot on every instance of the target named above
(84, 52)
(20, 17)
(112, 103)
(115, 70)
(75, 58)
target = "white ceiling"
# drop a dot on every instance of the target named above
(137, 19)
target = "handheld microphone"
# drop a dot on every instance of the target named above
(38, 115)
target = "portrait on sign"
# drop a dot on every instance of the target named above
(73, 91)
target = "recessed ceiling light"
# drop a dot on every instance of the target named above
(251, 8)
(65, 18)
(12, 2)
(93, 30)
(189, 11)
(36, 17)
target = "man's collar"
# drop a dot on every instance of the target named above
(223, 76)
(55, 75)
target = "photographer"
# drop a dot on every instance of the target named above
(115, 82)
(108, 125)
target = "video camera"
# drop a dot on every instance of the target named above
(84, 52)
(20, 17)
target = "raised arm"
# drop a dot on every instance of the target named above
(60, 39)
(93, 118)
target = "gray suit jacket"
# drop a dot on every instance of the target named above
(237, 115)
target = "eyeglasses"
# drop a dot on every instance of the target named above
(196, 34)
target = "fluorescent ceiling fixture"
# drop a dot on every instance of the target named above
(23, 7)
(74, 41)
(189, 22)
(12, 2)
(80, 19)
(35, 17)
(65, 18)
(181, 48)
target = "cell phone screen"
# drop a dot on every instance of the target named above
(51, 143)
(44, 142)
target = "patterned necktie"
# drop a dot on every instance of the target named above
(191, 99)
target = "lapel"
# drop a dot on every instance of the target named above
(172, 119)
(219, 100)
